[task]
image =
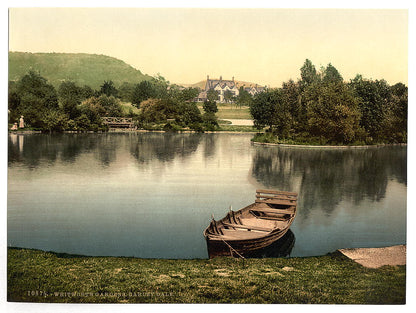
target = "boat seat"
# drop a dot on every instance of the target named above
(268, 217)
(240, 235)
(274, 211)
(250, 227)
(277, 201)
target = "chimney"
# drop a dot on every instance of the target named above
(233, 78)
(220, 78)
(207, 77)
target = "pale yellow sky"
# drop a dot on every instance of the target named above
(266, 46)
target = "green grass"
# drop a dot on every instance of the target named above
(231, 111)
(299, 140)
(37, 276)
(227, 110)
(238, 128)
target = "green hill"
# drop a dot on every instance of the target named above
(82, 68)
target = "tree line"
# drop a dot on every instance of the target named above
(320, 108)
(80, 108)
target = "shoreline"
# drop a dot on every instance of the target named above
(219, 132)
(387, 255)
(327, 146)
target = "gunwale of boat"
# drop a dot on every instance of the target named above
(267, 219)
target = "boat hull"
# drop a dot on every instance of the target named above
(238, 248)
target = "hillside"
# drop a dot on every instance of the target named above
(84, 69)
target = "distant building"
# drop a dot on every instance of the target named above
(221, 86)
(255, 89)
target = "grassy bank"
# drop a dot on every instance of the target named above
(312, 141)
(37, 276)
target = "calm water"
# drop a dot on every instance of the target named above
(152, 194)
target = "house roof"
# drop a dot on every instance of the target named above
(212, 83)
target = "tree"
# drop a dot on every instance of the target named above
(70, 96)
(188, 114)
(13, 102)
(92, 109)
(125, 91)
(55, 120)
(212, 95)
(291, 96)
(395, 124)
(37, 97)
(210, 120)
(263, 109)
(210, 106)
(97, 107)
(270, 109)
(143, 91)
(244, 98)
(108, 89)
(333, 113)
(181, 94)
(228, 96)
(373, 98)
(86, 92)
(160, 86)
(331, 75)
(189, 94)
(308, 74)
(399, 108)
(153, 111)
(111, 105)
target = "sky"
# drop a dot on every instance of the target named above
(265, 46)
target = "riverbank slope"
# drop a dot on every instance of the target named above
(38, 276)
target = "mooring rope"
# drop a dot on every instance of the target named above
(231, 249)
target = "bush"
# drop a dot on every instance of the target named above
(210, 121)
(172, 127)
(197, 127)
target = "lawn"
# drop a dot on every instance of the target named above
(228, 110)
(37, 276)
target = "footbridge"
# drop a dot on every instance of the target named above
(118, 122)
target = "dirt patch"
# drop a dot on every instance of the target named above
(222, 272)
(163, 278)
(274, 274)
(377, 257)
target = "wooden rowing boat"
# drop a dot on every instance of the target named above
(254, 227)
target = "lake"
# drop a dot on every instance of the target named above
(151, 195)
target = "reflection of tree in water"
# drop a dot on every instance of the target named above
(210, 145)
(324, 178)
(32, 149)
(165, 147)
